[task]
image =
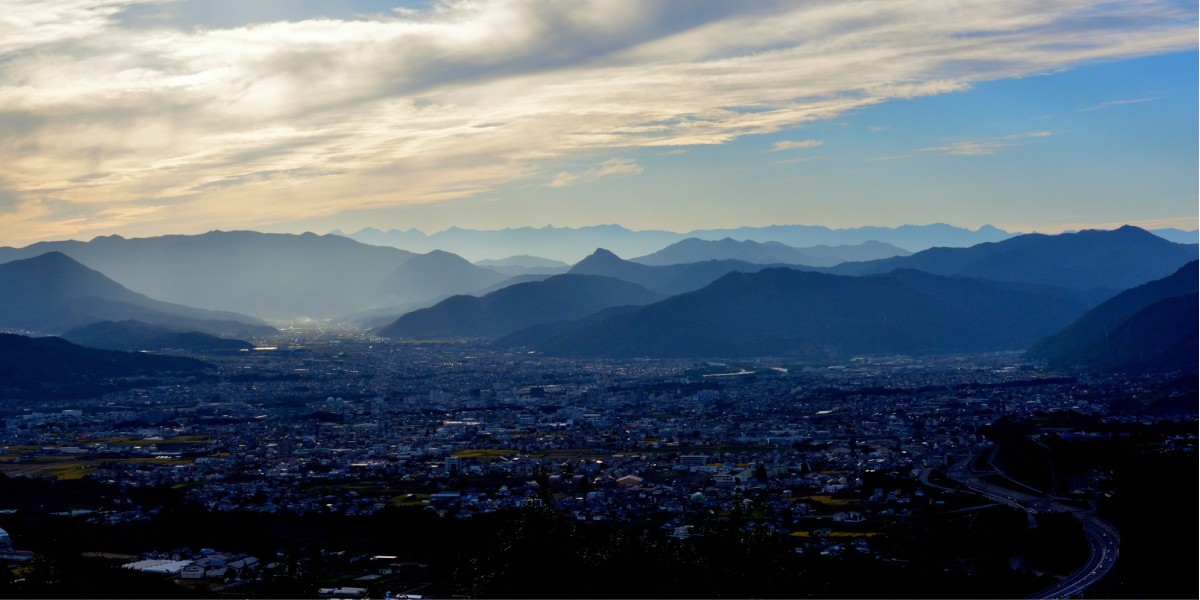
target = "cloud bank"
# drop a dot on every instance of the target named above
(107, 127)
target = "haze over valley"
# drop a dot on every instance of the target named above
(599, 299)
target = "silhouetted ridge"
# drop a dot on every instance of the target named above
(667, 279)
(269, 275)
(568, 244)
(1110, 338)
(55, 368)
(1088, 260)
(693, 250)
(434, 275)
(788, 312)
(52, 293)
(518, 306)
(135, 336)
(601, 257)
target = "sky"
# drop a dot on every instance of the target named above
(150, 117)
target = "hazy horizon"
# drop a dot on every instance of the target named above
(549, 226)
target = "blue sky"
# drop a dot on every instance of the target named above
(145, 118)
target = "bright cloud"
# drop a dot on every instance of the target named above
(194, 128)
(612, 166)
(795, 145)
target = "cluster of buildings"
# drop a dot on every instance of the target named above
(354, 425)
(205, 564)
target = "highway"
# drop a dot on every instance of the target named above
(1102, 538)
(1103, 546)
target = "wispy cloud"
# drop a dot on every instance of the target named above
(276, 121)
(1112, 103)
(612, 166)
(795, 145)
(985, 146)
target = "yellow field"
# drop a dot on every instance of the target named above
(836, 534)
(171, 441)
(830, 500)
(561, 454)
(71, 467)
(409, 500)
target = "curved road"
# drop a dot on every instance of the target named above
(1103, 547)
(1102, 538)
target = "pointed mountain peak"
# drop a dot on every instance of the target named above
(52, 259)
(601, 260)
(602, 254)
(51, 256)
(1132, 230)
(441, 256)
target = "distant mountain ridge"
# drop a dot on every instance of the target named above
(273, 276)
(524, 261)
(1179, 236)
(1151, 327)
(525, 265)
(561, 297)
(779, 311)
(571, 244)
(52, 293)
(693, 250)
(294, 277)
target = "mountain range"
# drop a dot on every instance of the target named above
(779, 311)
(666, 279)
(1104, 262)
(695, 250)
(524, 265)
(293, 276)
(1150, 327)
(52, 293)
(569, 245)
(271, 276)
(561, 297)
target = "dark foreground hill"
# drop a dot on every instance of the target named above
(797, 313)
(55, 368)
(135, 336)
(1149, 328)
(52, 293)
(1088, 260)
(510, 309)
